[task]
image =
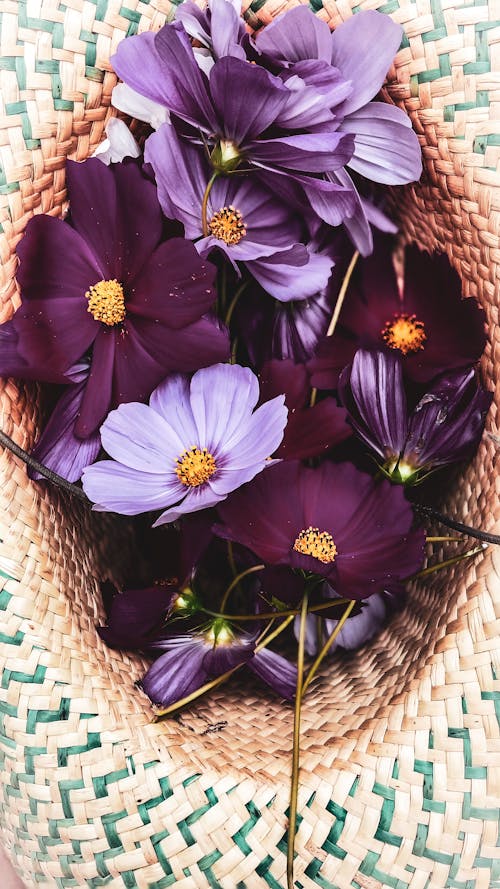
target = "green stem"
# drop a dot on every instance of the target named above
(268, 615)
(204, 221)
(441, 539)
(294, 784)
(232, 304)
(337, 310)
(446, 564)
(326, 647)
(235, 581)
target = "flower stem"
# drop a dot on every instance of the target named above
(337, 310)
(294, 784)
(235, 581)
(441, 539)
(204, 221)
(446, 564)
(456, 526)
(232, 304)
(166, 711)
(47, 473)
(326, 647)
(268, 615)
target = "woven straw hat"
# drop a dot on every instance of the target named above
(401, 740)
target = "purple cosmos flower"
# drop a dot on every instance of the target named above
(333, 521)
(219, 28)
(357, 630)
(429, 324)
(243, 219)
(445, 426)
(189, 448)
(310, 431)
(108, 287)
(191, 660)
(59, 448)
(268, 132)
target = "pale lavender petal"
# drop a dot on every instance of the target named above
(172, 402)
(293, 274)
(138, 106)
(137, 436)
(276, 671)
(296, 35)
(138, 63)
(386, 149)
(181, 176)
(307, 152)
(257, 439)
(177, 673)
(222, 397)
(116, 488)
(358, 629)
(227, 29)
(363, 48)
(198, 498)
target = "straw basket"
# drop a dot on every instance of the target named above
(401, 740)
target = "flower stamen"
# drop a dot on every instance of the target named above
(107, 302)
(404, 332)
(227, 225)
(318, 544)
(195, 467)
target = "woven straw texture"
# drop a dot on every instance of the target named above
(401, 741)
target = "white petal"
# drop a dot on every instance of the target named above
(130, 102)
(119, 144)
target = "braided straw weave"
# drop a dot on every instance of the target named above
(401, 741)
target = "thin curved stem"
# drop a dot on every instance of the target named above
(268, 615)
(294, 784)
(235, 581)
(333, 635)
(204, 221)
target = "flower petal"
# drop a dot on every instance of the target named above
(276, 671)
(278, 274)
(138, 106)
(116, 488)
(386, 149)
(294, 36)
(198, 498)
(96, 400)
(265, 96)
(222, 398)
(171, 401)
(177, 673)
(137, 436)
(119, 144)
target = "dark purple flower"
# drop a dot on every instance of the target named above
(310, 431)
(58, 448)
(243, 219)
(106, 285)
(429, 324)
(194, 444)
(192, 660)
(444, 427)
(333, 521)
(137, 617)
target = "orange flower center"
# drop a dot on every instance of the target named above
(404, 332)
(107, 302)
(195, 467)
(318, 544)
(227, 225)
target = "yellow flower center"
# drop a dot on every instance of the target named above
(107, 302)
(195, 467)
(227, 225)
(316, 543)
(404, 332)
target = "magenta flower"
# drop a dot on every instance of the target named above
(333, 521)
(243, 219)
(428, 324)
(194, 444)
(445, 426)
(109, 287)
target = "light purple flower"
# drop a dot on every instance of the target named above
(194, 444)
(219, 28)
(357, 630)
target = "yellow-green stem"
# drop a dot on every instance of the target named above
(441, 539)
(235, 581)
(294, 784)
(204, 221)
(326, 647)
(267, 615)
(232, 304)
(337, 310)
(446, 564)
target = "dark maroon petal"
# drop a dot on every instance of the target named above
(178, 672)
(264, 94)
(372, 391)
(175, 287)
(332, 355)
(96, 400)
(115, 208)
(280, 584)
(285, 377)
(275, 671)
(58, 448)
(135, 615)
(13, 365)
(264, 515)
(198, 345)
(135, 372)
(55, 262)
(54, 333)
(313, 431)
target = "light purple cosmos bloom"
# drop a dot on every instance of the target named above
(194, 444)
(332, 521)
(191, 660)
(445, 426)
(219, 28)
(244, 220)
(108, 287)
(357, 630)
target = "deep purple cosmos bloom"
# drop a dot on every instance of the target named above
(137, 617)
(429, 324)
(243, 219)
(333, 521)
(189, 448)
(106, 286)
(445, 426)
(191, 660)
(310, 431)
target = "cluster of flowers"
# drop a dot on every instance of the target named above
(185, 307)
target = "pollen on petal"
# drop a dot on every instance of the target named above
(107, 302)
(404, 332)
(227, 225)
(318, 544)
(195, 466)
